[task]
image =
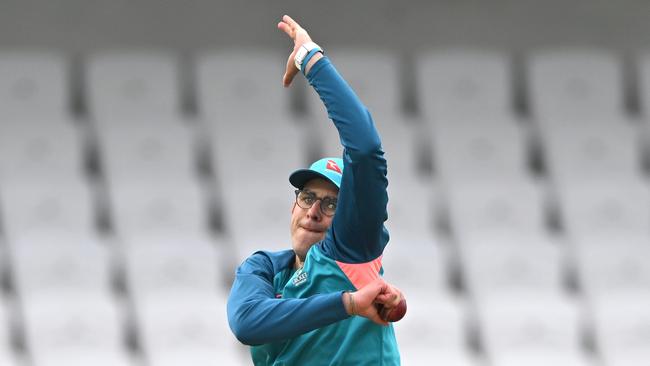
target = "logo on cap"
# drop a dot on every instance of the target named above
(331, 165)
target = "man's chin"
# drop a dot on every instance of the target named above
(308, 239)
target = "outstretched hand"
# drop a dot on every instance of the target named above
(299, 37)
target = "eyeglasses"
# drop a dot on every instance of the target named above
(306, 199)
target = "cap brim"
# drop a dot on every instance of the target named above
(301, 176)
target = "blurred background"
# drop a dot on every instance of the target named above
(145, 148)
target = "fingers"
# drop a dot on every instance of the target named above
(286, 29)
(388, 300)
(292, 23)
(288, 26)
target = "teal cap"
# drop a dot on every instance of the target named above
(330, 169)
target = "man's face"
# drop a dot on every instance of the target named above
(308, 226)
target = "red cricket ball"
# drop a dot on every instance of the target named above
(393, 314)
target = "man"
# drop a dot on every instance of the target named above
(316, 304)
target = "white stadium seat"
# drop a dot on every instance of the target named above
(163, 266)
(32, 153)
(426, 271)
(473, 246)
(593, 212)
(271, 213)
(494, 149)
(578, 83)
(412, 206)
(512, 269)
(464, 82)
(434, 324)
(611, 268)
(237, 86)
(621, 326)
(148, 153)
(171, 206)
(531, 324)
(83, 329)
(129, 86)
(480, 211)
(33, 85)
(59, 205)
(178, 331)
(55, 264)
(577, 154)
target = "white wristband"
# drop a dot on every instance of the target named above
(303, 51)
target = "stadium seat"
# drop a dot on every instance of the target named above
(412, 208)
(594, 212)
(484, 211)
(531, 324)
(237, 85)
(186, 330)
(148, 153)
(173, 206)
(47, 205)
(126, 87)
(489, 149)
(512, 269)
(156, 266)
(612, 268)
(82, 328)
(575, 83)
(271, 213)
(621, 326)
(416, 267)
(34, 153)
(436, 325)
(598, 151)
(34, 86)
(464, 82)
(59, 264)
(491, 290)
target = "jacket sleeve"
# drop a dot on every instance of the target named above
(357, 233)
(256, 316)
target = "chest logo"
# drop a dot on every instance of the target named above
(300, 278)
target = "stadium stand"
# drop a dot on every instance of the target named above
(121, 228)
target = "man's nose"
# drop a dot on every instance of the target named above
(314, 210)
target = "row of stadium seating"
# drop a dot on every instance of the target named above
(518, 241)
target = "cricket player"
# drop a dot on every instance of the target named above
(316, 304)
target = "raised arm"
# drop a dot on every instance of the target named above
(357, 234)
